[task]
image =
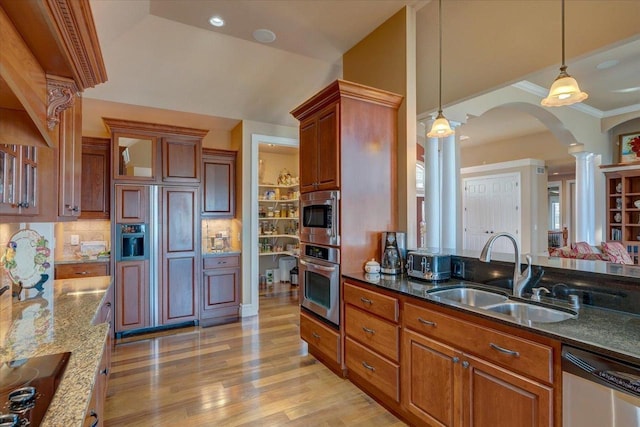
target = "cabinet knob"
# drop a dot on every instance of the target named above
(455, 359)
(465, 364)
(93, 415)
(105, 371)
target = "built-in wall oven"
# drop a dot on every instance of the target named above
(319, 277)
(319, 217)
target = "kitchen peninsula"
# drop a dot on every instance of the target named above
(70, 317)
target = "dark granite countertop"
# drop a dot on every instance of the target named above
(608, 332)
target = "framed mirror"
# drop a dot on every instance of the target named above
(134, 157)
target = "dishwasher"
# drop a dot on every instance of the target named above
(598, 391)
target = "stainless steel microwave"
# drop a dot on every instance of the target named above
(319, 217)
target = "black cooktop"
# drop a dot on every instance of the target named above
(27, 387)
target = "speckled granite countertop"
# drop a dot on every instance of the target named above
(609, 332)
(215, 254)
(80, 260)
(59, 321)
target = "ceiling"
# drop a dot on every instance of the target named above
(164, 54)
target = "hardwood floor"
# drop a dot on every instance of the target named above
(252, 373)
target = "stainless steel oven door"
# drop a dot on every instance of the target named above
(320, 288)
(319, 217)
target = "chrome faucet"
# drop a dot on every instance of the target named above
(520, 280)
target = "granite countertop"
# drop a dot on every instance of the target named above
(59, 321)
(608, 332)
(76, 260)
(207, 254)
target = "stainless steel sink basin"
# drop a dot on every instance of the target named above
(529, 312)
(468, 296)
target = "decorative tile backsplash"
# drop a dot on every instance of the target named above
(85, 230)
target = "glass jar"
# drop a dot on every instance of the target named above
(270, 212)
(276, 213)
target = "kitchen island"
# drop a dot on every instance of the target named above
(64, 318)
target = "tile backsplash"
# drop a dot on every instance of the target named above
(85, 230)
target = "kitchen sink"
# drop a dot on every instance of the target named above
(468, 296)
(522, 311)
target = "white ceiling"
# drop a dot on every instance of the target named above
(164, 54)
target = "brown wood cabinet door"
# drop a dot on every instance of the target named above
(218, 186)
(132, 295)
(181, 160)
(431, 379)
(70, 161)
(328, 168)
(132, 204)
(308, 154)
(220, 292)
(96, 179)
(180, 241)
(495, 397)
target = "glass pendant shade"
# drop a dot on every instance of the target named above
(440, 127)
(564, 91)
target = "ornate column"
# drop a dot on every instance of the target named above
(432, 199)
(450, 191)
(585, 197)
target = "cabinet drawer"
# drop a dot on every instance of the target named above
(320, 337)
(381, 373)
(74, 271)
(221, 261)
(518, 354)
(371, 301)
(377, 334)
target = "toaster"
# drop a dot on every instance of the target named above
(428, 265)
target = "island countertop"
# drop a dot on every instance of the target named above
(61, 320)
(609, 332)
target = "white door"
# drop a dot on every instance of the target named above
(491, 205)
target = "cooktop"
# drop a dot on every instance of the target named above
(27, 387)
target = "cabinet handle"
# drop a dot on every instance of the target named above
(93, 414)
(369, 331)
(107, 304)
(367, 366)
(366, 301)
(222, 262)
(504, 350)
(465, 364)
(455, 359)
(105, 371)
(427, 322)
(315, 335)
(82, 272)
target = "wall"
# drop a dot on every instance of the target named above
(385, 59)
(533, 199)
(86, 230)
(490, 43)
(632, 126)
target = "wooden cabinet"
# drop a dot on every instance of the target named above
(70, 161)
(96, 179)
(218, 183)
(87, 269)
(180, 230)
(132, 204)
(18, 180)
(220, 290)
(372, 343)
(319, 151)
(181, 158)
(623, 216)
(132, 295)
(323, 341)
(453, 371)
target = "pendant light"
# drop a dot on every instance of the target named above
(440, 127)
(564, 90)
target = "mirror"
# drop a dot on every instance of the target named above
(135, 157)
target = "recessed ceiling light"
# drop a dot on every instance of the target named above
(216, 21)
(264, 36)
(607, 64)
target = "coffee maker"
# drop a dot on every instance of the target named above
(393, 252)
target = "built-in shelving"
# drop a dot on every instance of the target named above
(623, 215)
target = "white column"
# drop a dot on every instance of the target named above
(585, 198)
(450, 191)
(432, 193)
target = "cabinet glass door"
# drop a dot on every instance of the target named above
(8, 170)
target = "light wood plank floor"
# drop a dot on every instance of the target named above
(256, 372)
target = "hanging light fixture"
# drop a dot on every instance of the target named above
(440, 127)
(564, 90)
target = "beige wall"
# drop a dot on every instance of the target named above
(490, 43)
(542, 146)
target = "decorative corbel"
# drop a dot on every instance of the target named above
(61, 94)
